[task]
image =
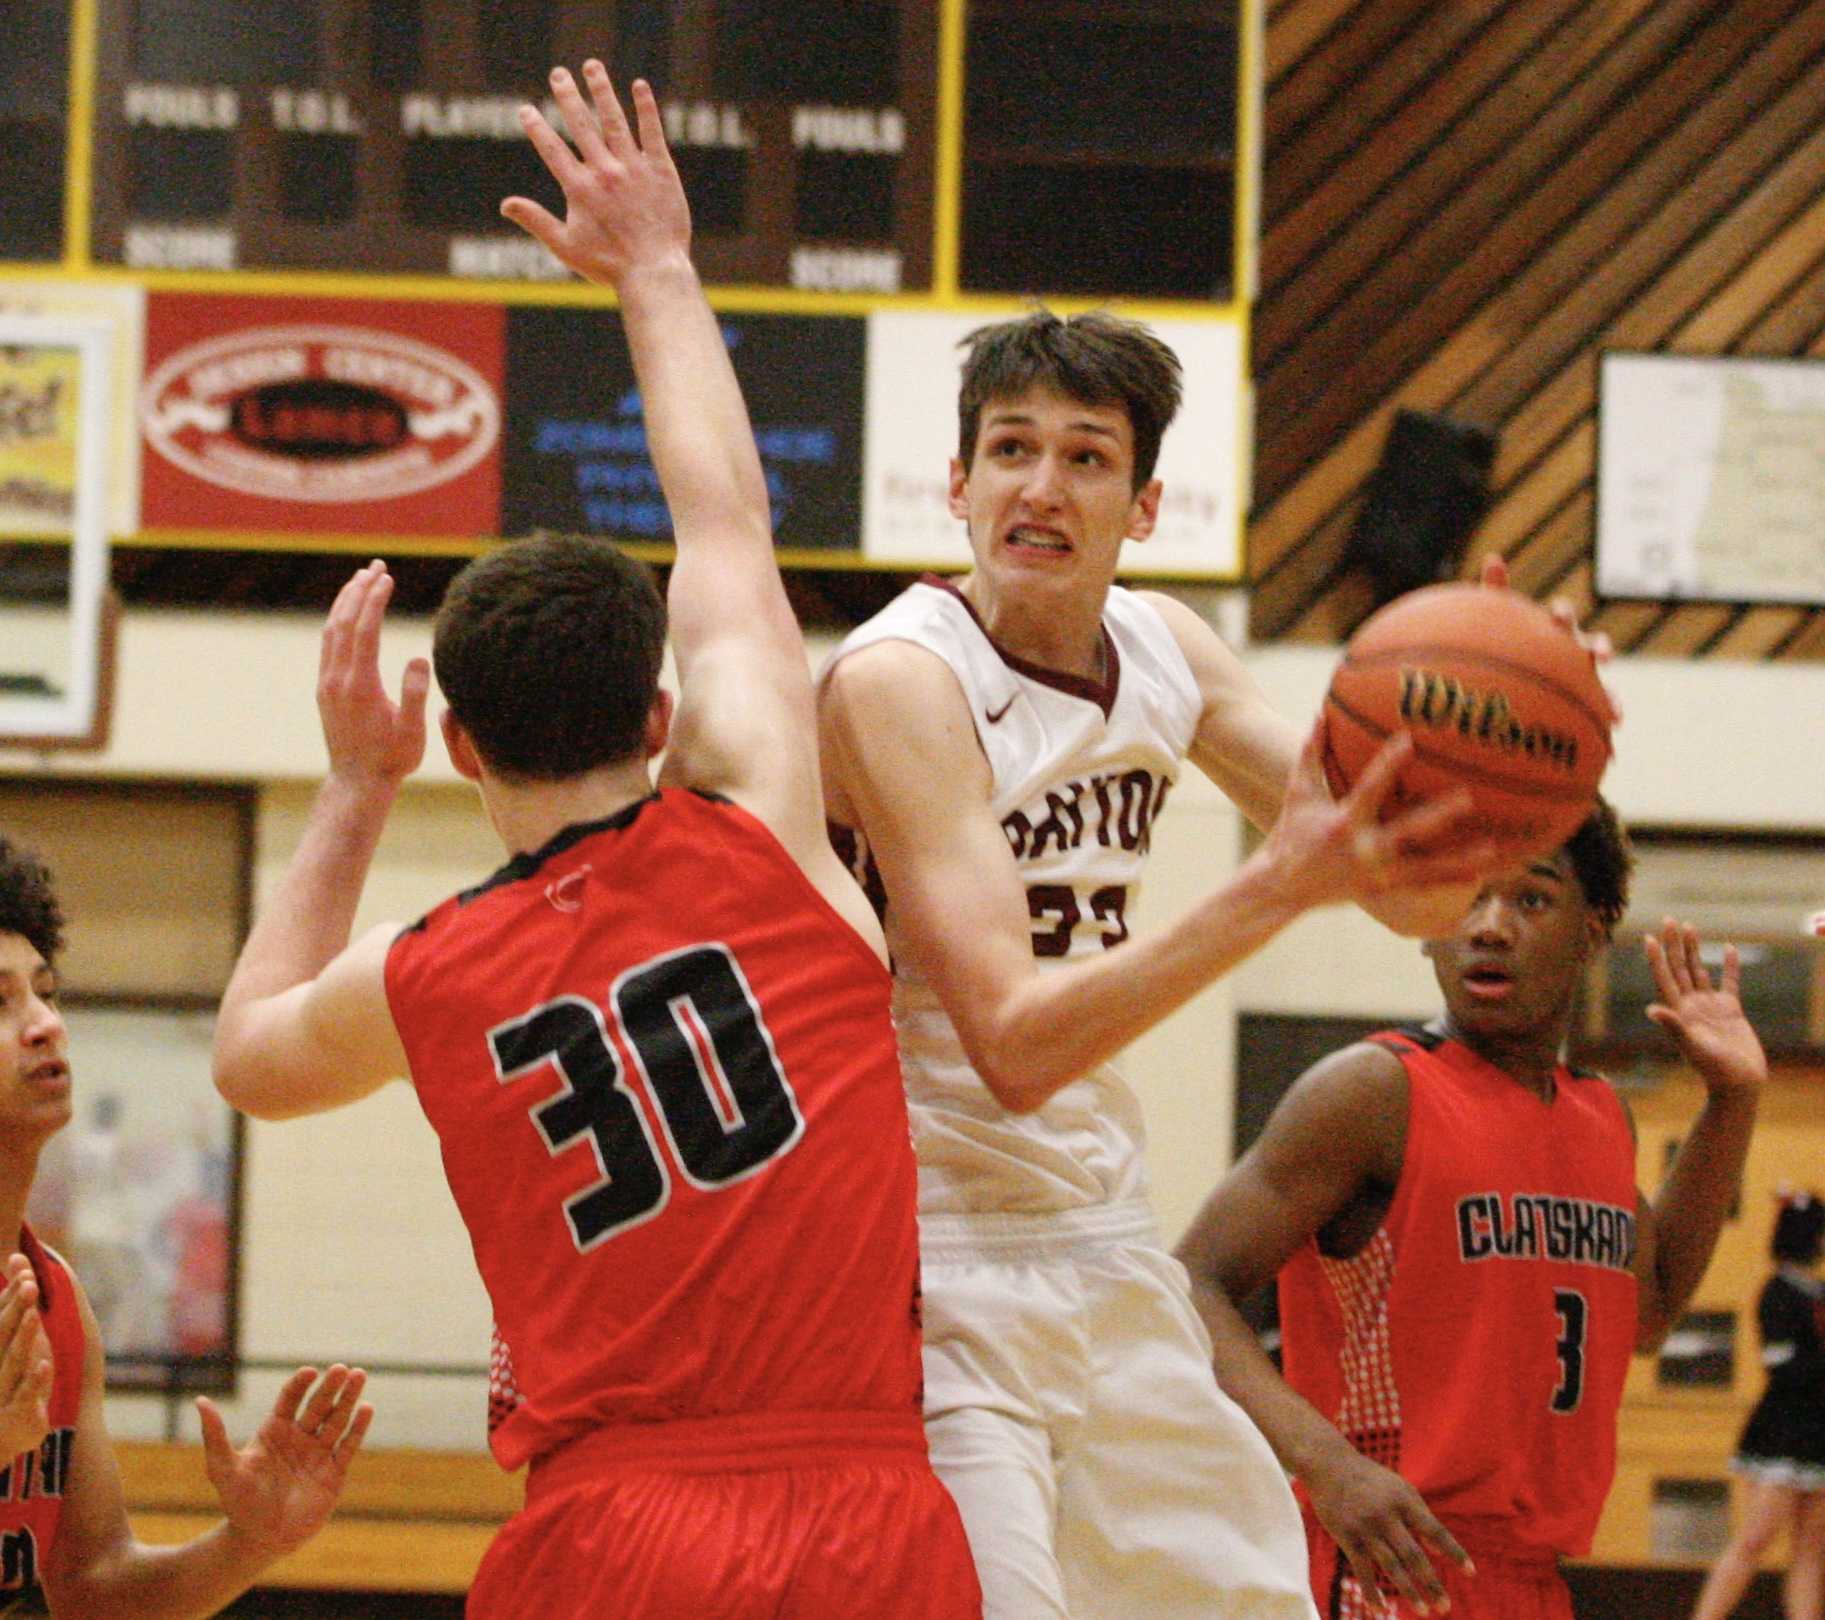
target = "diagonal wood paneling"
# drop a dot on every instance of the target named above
(1465, 202)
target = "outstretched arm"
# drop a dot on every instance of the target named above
(277, 1492)
(1677, 1233)
(304, 1023)
(745, 723)
(904, 764)
(1335, 1138)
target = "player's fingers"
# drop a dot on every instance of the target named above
(216, 1449)
(1368, 1575)
(554, 151)
(1423, 826)
(611, 120)
(1730, 981)
(364, 646)
(1495, 571)
(1411, 1571)
(1695, 963)
(1673, 948)
(356, 1432)
(1364, 801)
(291, 1393)
(536, 221)
(322, 1401)
(652, 126)
(336, 625)
(348, 1396)
(414, 691)
(1427, 1528)
(579, 121)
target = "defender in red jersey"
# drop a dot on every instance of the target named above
(656, 1046)
(1465, 1261)
(62, 1520)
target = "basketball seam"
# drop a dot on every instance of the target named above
(1495, 661)
(1454, 766)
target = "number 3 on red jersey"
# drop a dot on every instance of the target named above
(708, 1063)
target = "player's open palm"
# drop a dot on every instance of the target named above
(1706, 1019)
(624, 205)
(26, 1370)
(1384, 1528)
(279, 1489)
(370, 737)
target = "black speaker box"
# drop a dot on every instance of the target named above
(1429, 491)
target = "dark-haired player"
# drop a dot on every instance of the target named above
(62, 1519)
(656, 1045)
(995, 752)
(1465, 1261)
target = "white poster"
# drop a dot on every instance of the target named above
(911, 435)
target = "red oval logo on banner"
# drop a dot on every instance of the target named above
(320, 413)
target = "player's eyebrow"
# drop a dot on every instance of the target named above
(1024, 419)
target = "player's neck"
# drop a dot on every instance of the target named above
(1064, 637)
(1530, 1058)
(528, 815)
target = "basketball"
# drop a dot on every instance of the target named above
(1498, 698)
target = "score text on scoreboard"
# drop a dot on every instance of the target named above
(381, 135)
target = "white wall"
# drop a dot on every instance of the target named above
(351, 1246)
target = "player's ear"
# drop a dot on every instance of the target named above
(462, 751)
(959, 490)
(658, 722)
(1145, 512)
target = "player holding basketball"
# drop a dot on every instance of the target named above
(62, 1520)
(656, 1046)
(1465, 1261)
(995, 752)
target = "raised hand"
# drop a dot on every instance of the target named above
(26, 1370)
(370, 737)
(1384, 1528)
(1707, 1021)
(624, 204)
(279, 1489)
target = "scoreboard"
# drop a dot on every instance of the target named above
(302, 192)
(329, 134)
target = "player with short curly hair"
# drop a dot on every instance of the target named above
(1465, 1261)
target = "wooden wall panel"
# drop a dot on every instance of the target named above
(1465, 203)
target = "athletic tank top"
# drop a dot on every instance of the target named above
(661, 1069)
(1080, 771)
(32, 1484)
(1478, 1343)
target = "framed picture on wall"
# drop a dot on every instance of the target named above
(138, 1193)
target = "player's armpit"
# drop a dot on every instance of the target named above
(319, 1045)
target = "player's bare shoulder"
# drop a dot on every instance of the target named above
(885, 706)
(1351, 1104)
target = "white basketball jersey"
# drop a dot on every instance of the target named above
(1080, 772)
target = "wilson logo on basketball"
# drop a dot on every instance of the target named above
(1429, 698)
(320, 413)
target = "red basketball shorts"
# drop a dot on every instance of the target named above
(1503, 1588)
(793, 1518)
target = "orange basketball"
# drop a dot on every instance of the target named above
(1498, 697)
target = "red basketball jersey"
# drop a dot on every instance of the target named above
(32, 1484)
(1478, 1343)
(663, 1074)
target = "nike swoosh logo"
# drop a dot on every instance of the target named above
(995, 717)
